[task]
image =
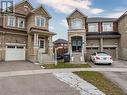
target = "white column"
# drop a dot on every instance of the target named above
(34, 39)
(37, 40)
(83, 43)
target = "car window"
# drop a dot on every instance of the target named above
(102, 54)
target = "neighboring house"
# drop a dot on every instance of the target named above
(89, 35)
(61, 45)
(25, 35)
(122, 27)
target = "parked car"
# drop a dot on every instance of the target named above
(101, 58)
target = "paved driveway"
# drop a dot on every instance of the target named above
(39, 84)
(119, 78)
(18, 66)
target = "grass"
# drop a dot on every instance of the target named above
(102, 83)
(63, 65)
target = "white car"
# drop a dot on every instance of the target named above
(101, 58)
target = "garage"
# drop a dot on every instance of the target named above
(91, 50)
(111, 51)
(15, 52)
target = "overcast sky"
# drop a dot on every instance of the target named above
(60, 9)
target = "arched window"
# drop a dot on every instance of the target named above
(76, 23)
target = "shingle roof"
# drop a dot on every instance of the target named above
(101, 19)
(61, 41)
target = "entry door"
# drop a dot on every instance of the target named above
(41, 45)
(14, 53)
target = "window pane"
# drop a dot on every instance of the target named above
(77, 24)
(41, 44)
(93, 27)
(107, 26)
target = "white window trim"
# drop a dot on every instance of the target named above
(75, 27)
(44, 43)
(107, 23)
(9, 21)
(19, 22)
(97, 30)
(36, 21)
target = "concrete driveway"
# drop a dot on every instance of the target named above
(18, 66)
(119, 78)
(39, 84)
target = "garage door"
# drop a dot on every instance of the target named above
(91, 50)
(111, 51)
(14, 53)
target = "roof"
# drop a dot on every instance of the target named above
(122, 15)
(77, 10)
(101, 19)
(61, 41)
(41, 7)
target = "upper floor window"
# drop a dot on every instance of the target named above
(11, 21)
(93, 27)
(108, 26)
(39, 21)
(76, 24)
(21, 22)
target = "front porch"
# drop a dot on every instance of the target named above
(40, 47)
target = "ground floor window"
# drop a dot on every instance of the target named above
(41, 43)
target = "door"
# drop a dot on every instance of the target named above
(111, 51)
(14, 53)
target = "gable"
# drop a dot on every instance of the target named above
(23, 8)
(76, 14)
(42, 11)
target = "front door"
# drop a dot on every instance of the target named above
(41, 45)
(76, 44)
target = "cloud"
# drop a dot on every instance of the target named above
(67, 6)
(114, 14)
(64, 23)
(51, 27)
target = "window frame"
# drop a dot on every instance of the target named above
(103, 24)
(14, 21)
(19, 19)
(40, 17)
(74, 20)
(39, 43)
(97, 29)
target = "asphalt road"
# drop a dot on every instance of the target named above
(40, 84)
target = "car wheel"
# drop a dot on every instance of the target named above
(110, 63)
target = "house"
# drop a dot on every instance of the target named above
(97, 34)
(61, 45)
(25, 35)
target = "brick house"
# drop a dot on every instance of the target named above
(89, 35)
(25, 35)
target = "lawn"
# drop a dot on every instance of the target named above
(63, 65)
(102, 83)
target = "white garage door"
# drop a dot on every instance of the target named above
(14, 53)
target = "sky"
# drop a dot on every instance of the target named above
(60, 9)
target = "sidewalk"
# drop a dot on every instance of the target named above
(42, 71)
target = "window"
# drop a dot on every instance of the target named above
(76, 24)
(41, 43)
(21, 23)
(39, 21)
(107, 26)
(11, 21)
(93, 27)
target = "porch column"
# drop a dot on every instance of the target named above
(101, 44)
(50, 45)
(35, 40)
(83, 49)
(35, 48)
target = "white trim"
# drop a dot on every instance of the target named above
(14, 22)
(81, 27)
(22, 19)
(44, 43)
(110, 46)
(40, 23)
(16, 44)
(93, 46)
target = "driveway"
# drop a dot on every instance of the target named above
(18, 66)
(119, 78)
(39, 84)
